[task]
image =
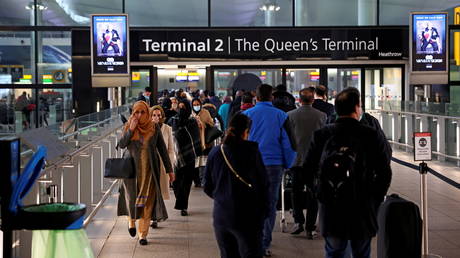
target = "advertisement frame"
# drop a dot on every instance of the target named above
(128, 70)
(411, 44)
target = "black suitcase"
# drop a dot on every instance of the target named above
(400, 229)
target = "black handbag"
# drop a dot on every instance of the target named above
(211, 133)
(120, 168)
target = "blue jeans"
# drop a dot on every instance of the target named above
(337, 248)
(274, 175)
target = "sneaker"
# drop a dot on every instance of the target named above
(311, 234)
(183, 213)
(298, 228)
(154, 224)
(267, 253)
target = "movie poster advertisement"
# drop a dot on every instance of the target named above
(109, 39)
(429, 42)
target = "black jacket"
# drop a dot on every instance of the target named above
(323, 106)
(152, 101)
(358, 221)
(235, 204)
(188, 145)
(284, 101)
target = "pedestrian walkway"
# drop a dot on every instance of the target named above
(193, 236)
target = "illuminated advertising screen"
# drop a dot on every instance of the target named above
(109, 44)
(429, 42)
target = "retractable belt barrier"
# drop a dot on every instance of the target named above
(430, 170)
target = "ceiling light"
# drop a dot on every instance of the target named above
(40, 6)
(270, 6)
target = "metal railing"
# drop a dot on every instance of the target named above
(78, 176)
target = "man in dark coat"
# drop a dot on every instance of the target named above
(147, 97)
(320, 102)
(283, 99)
(349, 216)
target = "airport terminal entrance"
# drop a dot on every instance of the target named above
(376, 82)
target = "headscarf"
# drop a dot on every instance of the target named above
(184, 113)
(166, 103)
(163, 117)
(145, 126)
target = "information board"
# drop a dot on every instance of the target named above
(422, 146)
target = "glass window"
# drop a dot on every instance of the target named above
(167, 13)
(328, 13)
(297, 79)
(393, 12)
(392, 86)
(54, 59)
(15, 12)
(74, 13)
(54, 106)
(16, 58)
(251, 13)
(17, 110)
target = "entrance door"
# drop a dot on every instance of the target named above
(297, 79)
(341, 78)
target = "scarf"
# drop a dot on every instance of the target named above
(145, 127)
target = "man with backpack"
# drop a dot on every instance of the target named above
(352, 173)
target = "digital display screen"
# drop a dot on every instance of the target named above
(109, 40)
(429, 37)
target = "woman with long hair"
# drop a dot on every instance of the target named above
(235, 177)
(140, 197)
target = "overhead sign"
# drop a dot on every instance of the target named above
(422, 146)
(292, 43)
(429, 42)
(109, 37)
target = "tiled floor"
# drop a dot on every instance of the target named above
(193, 236)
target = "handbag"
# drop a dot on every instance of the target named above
(120, 168)
(211, 133)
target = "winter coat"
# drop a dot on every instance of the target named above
(129, 189)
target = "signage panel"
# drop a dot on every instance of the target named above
(109, 44)
(429, 42)
(272, 43)
(422, 146)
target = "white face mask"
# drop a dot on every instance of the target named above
(196, 108)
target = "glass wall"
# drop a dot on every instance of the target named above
(174, 79)
(327, 13)
(224, 79)
(54, 60)
(341, 78)
(54, 106)
(17, 57)
(167, 13)
(297, 79)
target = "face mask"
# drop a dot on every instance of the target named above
(197, 108)
(182, 113)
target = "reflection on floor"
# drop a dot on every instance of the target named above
(193, 236)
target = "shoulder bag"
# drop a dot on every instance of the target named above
(120, 168)
(232, 169)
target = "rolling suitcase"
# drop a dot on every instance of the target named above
(400, 229)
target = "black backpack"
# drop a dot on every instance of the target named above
(338, 172)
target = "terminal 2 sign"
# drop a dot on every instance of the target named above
(271, 43)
